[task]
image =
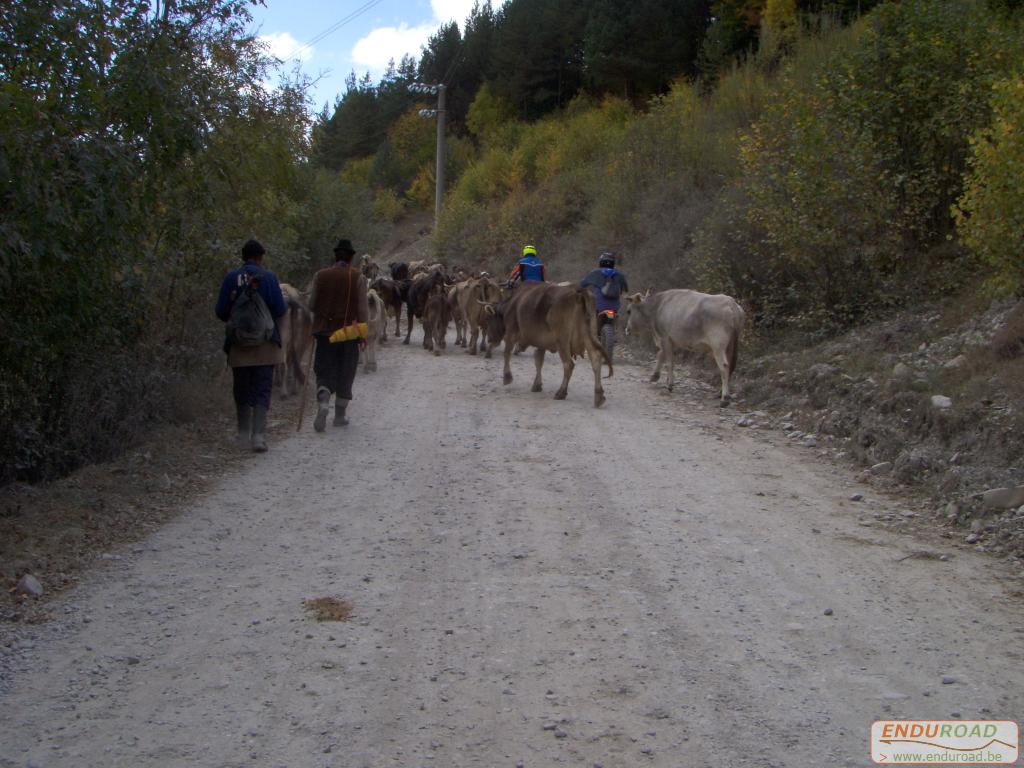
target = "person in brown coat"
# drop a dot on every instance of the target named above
(338, 301)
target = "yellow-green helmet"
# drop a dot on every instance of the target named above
(529, 250)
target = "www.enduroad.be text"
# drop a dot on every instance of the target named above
(980, 757)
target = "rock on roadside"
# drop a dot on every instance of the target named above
(1003, 498)
(29, 585)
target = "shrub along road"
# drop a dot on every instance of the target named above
(534, 583)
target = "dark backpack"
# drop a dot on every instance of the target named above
(610, 289)
(250, 322)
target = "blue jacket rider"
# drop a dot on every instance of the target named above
(606, 275)
(529, 269)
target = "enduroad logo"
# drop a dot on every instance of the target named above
(945, 742)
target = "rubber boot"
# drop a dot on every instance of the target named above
(259, 427)
(244, 425)
(339, 412)
(323, 400)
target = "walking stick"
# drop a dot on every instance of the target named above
(305, 385)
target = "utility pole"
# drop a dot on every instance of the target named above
(439, 113)
(439, 190)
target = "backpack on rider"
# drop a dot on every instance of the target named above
(610, 289)
(250, 322)
(612, 286)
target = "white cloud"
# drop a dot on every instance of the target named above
(383, 44)
(451, 10)
(285, 47)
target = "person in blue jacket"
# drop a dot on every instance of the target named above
(529, 269)
(607, 284)
(252, 365)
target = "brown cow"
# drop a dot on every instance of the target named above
(436, 315)
(473, 300)
(296, 328)
(420, 290)
(369, 268)
(399, 270)
(550, 318)
(458, 316)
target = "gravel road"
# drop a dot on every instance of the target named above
(536, 583)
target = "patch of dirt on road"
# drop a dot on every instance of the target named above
(56, 531)
(329, 608)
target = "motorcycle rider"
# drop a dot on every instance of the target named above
(529, 269)
(607, 285)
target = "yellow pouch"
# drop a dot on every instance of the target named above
(350, 332)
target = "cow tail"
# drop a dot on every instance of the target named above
(733, 349)
(590, 307)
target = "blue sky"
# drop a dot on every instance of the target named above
(388, 29)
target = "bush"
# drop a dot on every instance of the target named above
(131, 181)
(990, 215)
(818, 193)
(852, 168)
(388, 206)
(358, 172)
(488, 114)
(917, 82)
(468, 233)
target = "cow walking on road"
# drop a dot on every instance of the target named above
(685, 319)
(458, 316)
(369, 268)
(550, 318)
(377, 321)
(420, 290)
(473, 299)
(436, 316)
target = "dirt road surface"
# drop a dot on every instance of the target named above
(536, 583)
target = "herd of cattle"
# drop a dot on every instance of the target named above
(548, 317)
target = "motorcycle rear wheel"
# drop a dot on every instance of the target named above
(608, 339)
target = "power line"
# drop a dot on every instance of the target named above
(335, 27)
(456, 61)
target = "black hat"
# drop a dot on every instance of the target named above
(607, 259)
(345, 247)
(253, 250)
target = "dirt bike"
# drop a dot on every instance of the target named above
(606, 329)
